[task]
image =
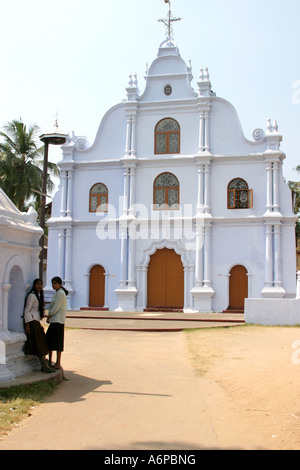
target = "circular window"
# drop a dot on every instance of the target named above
(168, 90)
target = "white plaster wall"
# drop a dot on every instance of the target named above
(239, 245)
(181, 89)
(167, 64)
(227, 136)
(88, 251)
(110, 139)
(272, 311)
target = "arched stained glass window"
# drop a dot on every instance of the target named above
(98, 198)
(166, 192)
(167, 136)
(239, 196)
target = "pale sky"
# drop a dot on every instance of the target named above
(75, 56)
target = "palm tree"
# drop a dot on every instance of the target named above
(21, 164)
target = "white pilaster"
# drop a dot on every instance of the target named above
(5, 290)
(106, 289)
(131, 260)
(128, 136)
(277, 256)
(201, 132)
(269, 168)
(200, 208)
(207, 188)
(199, 255)
(269, 256)
(273, 287)
(132, 190)
(63, 206)
(276, 204)
(188, 284)
(207, 132)
(124, 253)
(142, 287)
(87, 289)
(68, 267)
(61, 253)
(207, 257)
(133, 136)
(70, 192)
(126, 191)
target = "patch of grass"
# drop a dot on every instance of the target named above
(205, 346)
(16, 402)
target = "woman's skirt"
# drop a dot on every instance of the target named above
(36, 344)
(55, 336)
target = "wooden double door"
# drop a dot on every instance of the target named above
(165, 280)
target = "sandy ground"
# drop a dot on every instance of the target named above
(258, 370)
(233, 388)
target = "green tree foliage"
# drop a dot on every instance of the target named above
(21, 164)
(295, 188)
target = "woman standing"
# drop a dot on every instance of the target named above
(36, 344)
(57, 318)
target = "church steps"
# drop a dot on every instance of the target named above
(142, 321)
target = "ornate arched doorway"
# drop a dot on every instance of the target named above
(238, 288)
(97, 287)
(165, 284)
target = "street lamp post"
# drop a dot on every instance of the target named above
(54, 137)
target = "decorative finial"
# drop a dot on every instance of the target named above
(168, 22)
(269, 125)
(272, 127)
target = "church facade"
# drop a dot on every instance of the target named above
(172, 207)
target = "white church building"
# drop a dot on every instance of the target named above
(172, 207)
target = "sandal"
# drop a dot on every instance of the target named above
(45, 367)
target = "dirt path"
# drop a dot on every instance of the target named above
(208, 389)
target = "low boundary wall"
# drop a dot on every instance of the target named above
(272, 311)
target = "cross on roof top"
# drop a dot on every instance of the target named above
(168, 22)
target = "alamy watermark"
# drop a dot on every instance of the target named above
(296, 93)
(296, 354)
(147, 223)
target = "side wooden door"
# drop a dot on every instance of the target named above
(97, 287)
(238, 287)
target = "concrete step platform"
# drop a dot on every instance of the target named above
(34, 377)
(149, 321)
